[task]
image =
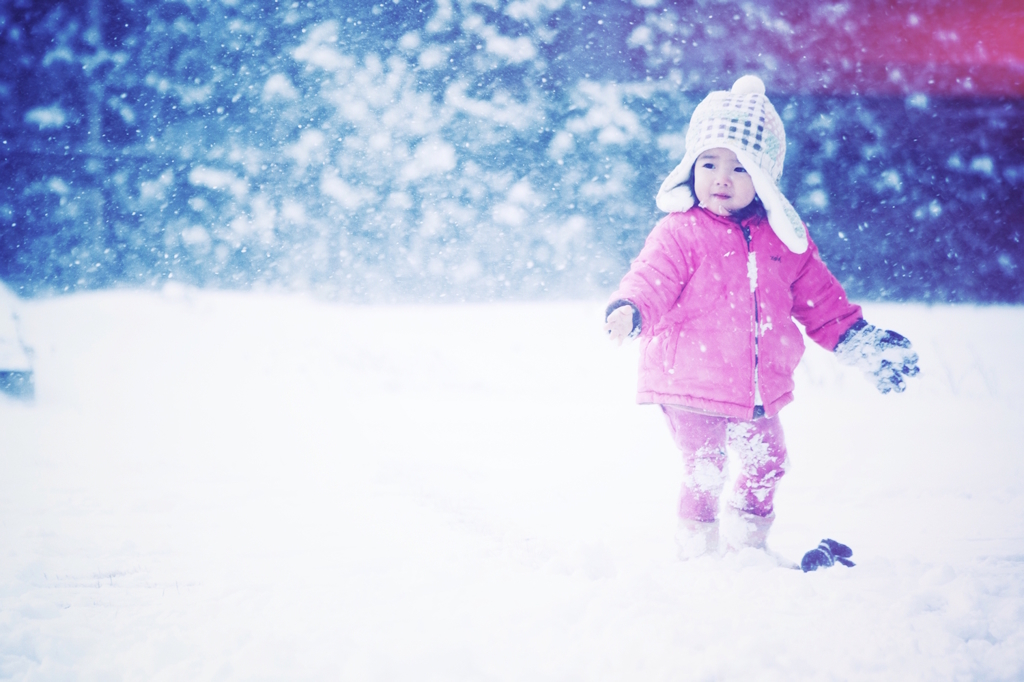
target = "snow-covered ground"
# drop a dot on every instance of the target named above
(254, 486)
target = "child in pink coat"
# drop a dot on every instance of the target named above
(714, 296)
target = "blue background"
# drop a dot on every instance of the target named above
(141, 144)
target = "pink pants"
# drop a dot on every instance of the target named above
(759, 445)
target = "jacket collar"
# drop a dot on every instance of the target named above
(750, 223)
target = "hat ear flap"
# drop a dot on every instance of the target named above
(783, 218)
(674, 194)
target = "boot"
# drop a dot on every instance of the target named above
(743, 529)
(696, 538)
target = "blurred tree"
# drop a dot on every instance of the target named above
(456, 149)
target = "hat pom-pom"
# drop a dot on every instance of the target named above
(748, 85)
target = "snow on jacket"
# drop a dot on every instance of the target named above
(718, 307)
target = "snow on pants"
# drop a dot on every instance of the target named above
(759, 445)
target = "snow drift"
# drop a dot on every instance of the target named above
(227, 486)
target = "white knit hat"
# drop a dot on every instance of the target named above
(744, 121)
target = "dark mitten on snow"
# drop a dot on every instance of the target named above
(826, 554)
(885, 356)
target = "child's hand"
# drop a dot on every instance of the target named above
(885, 356)
(619, 323)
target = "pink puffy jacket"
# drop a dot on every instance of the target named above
(716, 307)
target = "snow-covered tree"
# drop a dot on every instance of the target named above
(463, 149)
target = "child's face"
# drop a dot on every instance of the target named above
(723, 186)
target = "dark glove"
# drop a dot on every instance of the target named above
(615, 305)
(885, 356)
(827, 553)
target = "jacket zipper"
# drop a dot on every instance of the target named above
(757, 313)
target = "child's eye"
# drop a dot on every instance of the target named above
(740, 169)
(708, 165)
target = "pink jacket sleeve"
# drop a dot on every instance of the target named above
(819, 301)
(656, 277)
